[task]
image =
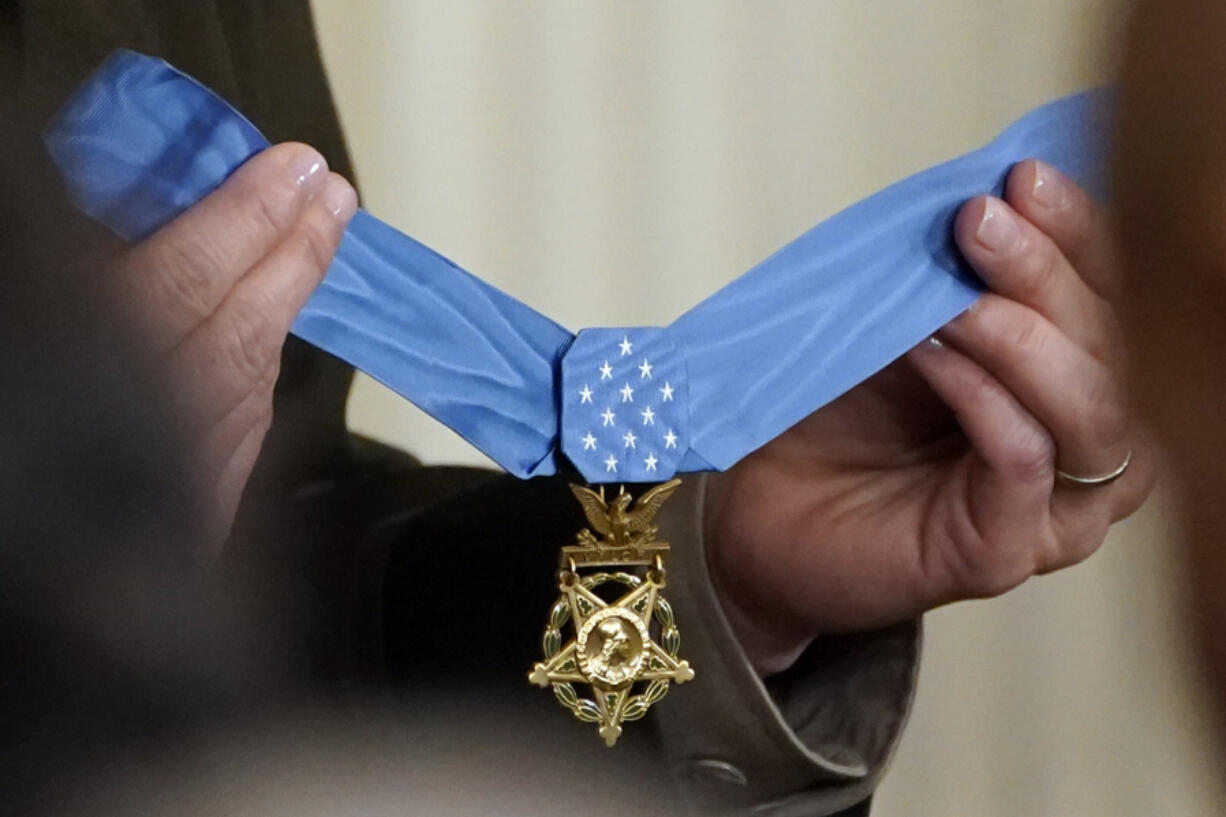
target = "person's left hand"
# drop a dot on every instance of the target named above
(935, 480)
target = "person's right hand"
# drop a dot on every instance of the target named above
(215, 292)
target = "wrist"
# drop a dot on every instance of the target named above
(770, 643)
(769, 650)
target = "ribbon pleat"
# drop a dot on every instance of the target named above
(857, 291)
(140, 142)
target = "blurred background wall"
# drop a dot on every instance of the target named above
(613, 162)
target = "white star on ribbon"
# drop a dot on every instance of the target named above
(650, 462)
(670, 439)
(611, 463)
(608, 417)
(589, 442)
(645, 370)
(626, 345)
(630, 439)
(606, 371)
(627, 394)
(666, 391)
(649, 416)
(585, 395)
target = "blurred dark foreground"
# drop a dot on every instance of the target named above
(136, 680)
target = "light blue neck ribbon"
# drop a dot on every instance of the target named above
(140, 142)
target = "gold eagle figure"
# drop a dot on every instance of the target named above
(619, 527)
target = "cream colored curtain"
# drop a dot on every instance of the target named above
(613, 162)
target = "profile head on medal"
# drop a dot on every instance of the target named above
(610, 646)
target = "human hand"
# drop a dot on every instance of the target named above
(214, 294)
(935, 480)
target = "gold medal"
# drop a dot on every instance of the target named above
(611, 647)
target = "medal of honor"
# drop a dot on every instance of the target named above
(609, 643)
(139, 142)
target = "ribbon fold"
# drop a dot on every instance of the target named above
(140, 142)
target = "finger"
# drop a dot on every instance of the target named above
(1060, 208)
(179, 276)
(1019, 261)
(1081, 515)
(230, 483)
(237, 350)
(1076, 398)
(1013, 485)
(1008, 438)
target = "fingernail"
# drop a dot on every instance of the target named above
(931, 345)
(1049, 188)
(340, 198)
(997, 229)
(309, 170)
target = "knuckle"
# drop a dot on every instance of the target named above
(1100, 346)
(1134, 490)
(986, 320)
(1108, 342)
(982, 387)
(251, 414)
(1105, 419)
(999, 579)
(1080, 544)
(1030, 456)
(315, 240)
(1087, 240)
(1027, 334)
(262, 422)
(272, 204)
(252, 346)
(985, 560)
(1082, 221)
(1038, 270)
(181, 273)
(994, 570)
